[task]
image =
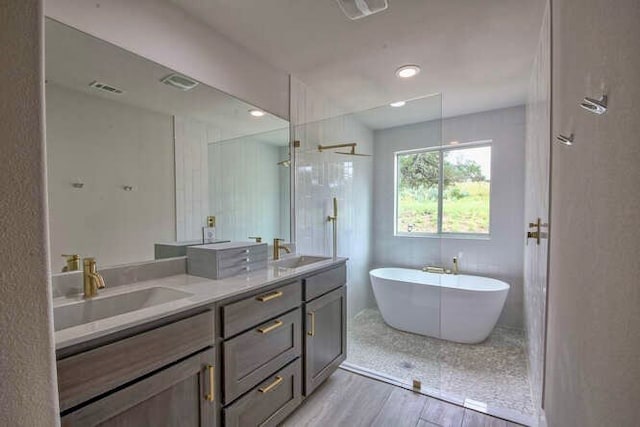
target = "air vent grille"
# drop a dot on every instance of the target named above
(179, 81)
(106, 87)
(356, 9)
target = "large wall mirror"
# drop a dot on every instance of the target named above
(138, 155)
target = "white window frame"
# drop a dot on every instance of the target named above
(441, 149)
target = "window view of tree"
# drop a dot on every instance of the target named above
(466, 175)
(417, 199)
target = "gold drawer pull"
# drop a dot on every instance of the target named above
(275, 325)
(312, 332)
(269, 297)
(209, 396)
(271, 386)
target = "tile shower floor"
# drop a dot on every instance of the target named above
(493, 372)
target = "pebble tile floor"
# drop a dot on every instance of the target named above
(493, 372)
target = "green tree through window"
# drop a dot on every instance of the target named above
(444, 190)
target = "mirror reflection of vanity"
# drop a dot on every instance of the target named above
(138, 155)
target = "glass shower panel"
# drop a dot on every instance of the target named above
(249, 186)
(384, 166)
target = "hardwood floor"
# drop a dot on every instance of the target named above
(348, 399)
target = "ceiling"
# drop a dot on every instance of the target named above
(74, 59)
(477, 53)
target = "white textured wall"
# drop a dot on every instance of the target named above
(245, 189)
(501, 255)
(322, 176)
(164, 33)
(28, 390)
(192, 138)
(593, 341)
(106, 145)
(538, 146)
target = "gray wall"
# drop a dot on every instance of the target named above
(593, 341)
(28, 389)
(164, 33)
(501, 255)
(102, 143)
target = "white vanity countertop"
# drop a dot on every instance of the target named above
(204, 291)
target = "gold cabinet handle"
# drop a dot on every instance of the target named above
(268, 329)
(312, 332)
(271, 386)
(269, 297)
(209, 396)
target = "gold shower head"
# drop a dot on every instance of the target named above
(351, 145)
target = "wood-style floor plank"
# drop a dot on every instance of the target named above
(477, 419)
(402, 409)
(349, 400)
(442, 413)
(344, 400)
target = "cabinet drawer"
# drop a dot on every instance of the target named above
(244, 314)
(176, 396)
(270, 402)
(252, 356)
(229, 257)
(91, 373)
(321, 283)
(240, 269)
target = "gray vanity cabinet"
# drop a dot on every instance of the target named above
(325, 337)
(180, 395)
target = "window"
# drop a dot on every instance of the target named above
(443, 190)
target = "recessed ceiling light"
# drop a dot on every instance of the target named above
(398, 104)
(256, 113)
(407, 71)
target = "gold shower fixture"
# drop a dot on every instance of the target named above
(351, 152)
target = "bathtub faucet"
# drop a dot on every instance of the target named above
(442, 270)
(433, 269)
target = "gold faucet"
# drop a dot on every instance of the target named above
(92, 279)
(258, 239)
(73, 262)
(277, 247)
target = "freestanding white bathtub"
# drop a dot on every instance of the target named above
(458, 308)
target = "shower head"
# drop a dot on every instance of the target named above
(352, 154)
(285, 163)
(351, 145)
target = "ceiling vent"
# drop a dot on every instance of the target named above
(179, 81)
(356, 9)
(106, 87)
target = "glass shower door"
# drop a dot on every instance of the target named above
(383, 166)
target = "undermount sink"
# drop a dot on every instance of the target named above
(298, 261)
(81, 312)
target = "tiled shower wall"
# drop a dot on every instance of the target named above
(321, 176)
(245, 189)
(192, 175)
(538, 122)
